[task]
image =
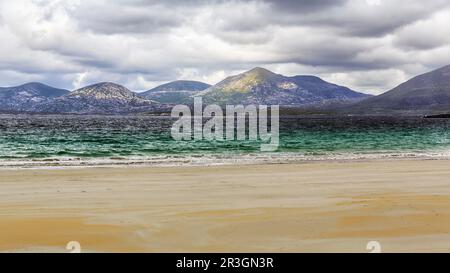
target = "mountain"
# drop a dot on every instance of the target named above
(26, 96)
(257, 86)
(176, 92)
(100, 98)
(427, 93)
(261, 86)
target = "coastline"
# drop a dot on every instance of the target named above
(210, 160)
(319, 207)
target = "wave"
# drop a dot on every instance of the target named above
(213, 160)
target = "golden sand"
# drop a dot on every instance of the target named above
(317, 207)
(19, 234)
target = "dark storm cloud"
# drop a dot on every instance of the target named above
(359, 17)
(147, 16)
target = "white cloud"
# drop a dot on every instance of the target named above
(142, 43)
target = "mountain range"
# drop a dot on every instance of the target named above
(425, 94)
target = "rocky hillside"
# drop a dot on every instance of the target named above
(24, 97)
(176, 92)
(101, 98)
(427, 93)
(261, 86)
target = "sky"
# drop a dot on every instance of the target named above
(367, 45)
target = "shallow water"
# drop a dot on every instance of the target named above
(98, 140)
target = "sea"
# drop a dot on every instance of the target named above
(34, 141)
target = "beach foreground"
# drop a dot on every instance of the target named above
(314, 207)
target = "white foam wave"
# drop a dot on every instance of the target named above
(214, 160)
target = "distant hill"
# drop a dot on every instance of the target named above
(100, 98)
(176, 92)
(257, 86)
(261, 86)
(425, 94)
(24, 97)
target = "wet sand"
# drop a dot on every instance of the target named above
(314, 207)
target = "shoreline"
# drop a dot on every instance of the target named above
(213, 160)
(323, 207)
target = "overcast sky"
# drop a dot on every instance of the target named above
(367, 45)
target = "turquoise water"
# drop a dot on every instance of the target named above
(80, 140)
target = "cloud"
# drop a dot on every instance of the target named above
(369, 80)
(115, 17)
(425, 34)
(369, 45)
(304, 6)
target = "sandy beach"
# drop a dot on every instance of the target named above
(311, 207)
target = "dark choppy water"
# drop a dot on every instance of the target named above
(94, 140)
